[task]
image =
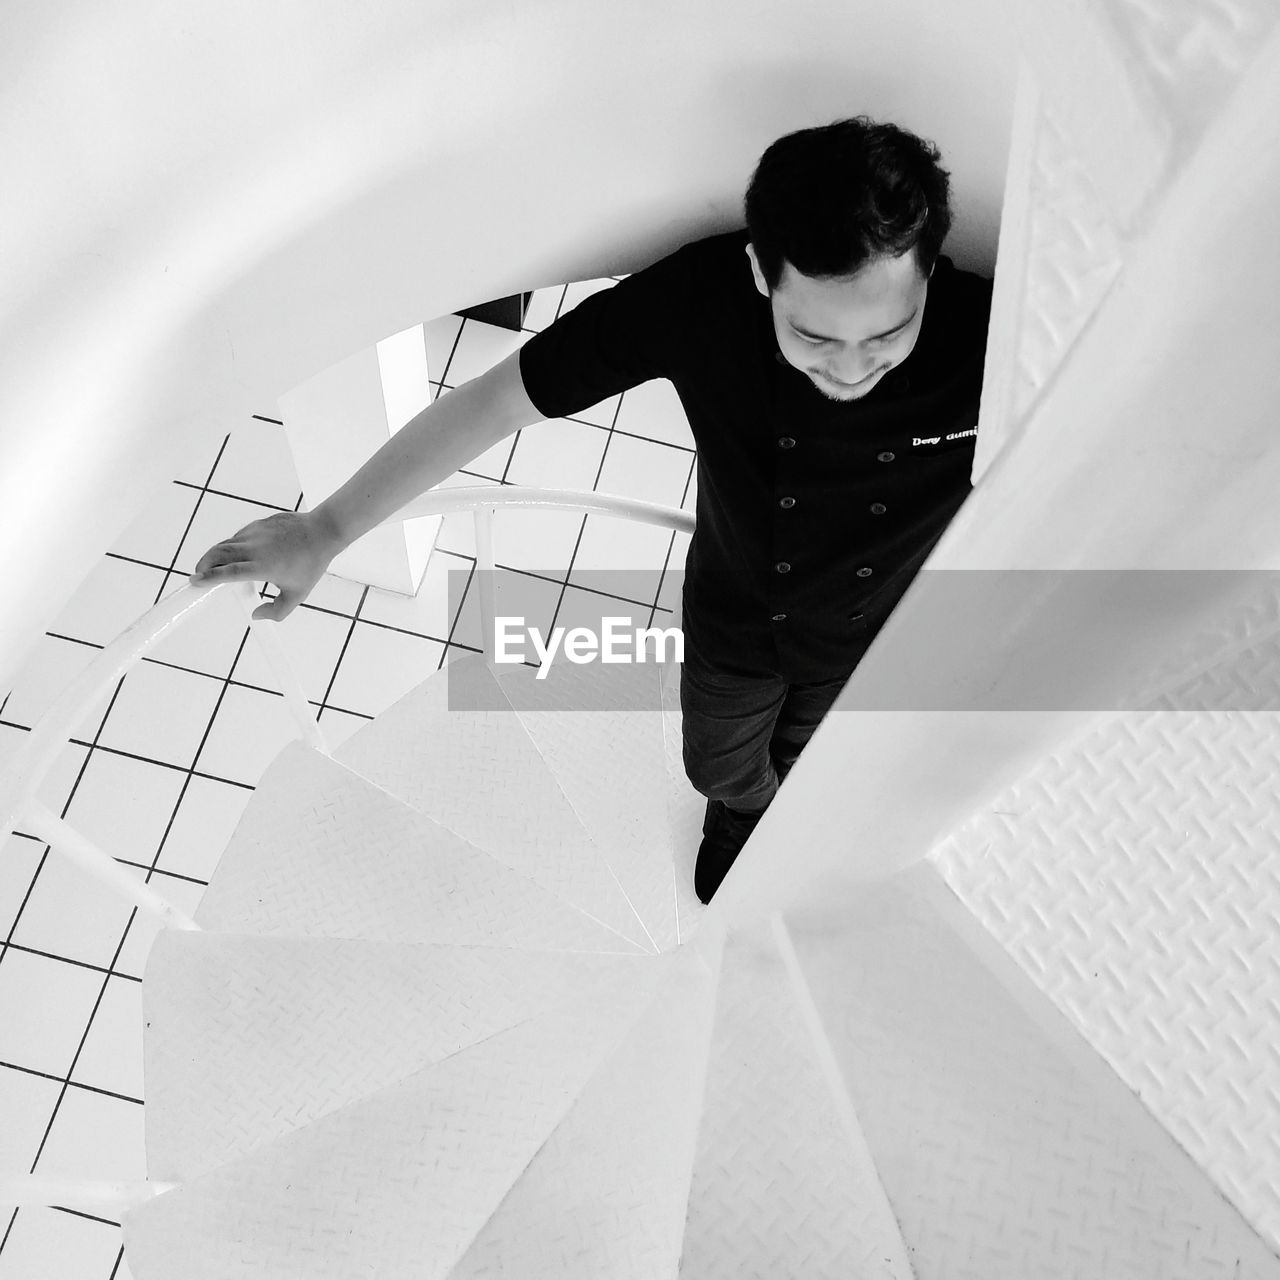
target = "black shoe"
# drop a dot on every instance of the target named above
(724, 832)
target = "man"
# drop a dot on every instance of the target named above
(830, 364)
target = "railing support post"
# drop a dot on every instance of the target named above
(66, 840)
(484, 575)
(265, 634)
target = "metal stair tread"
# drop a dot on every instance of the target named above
(991, 1123)
(321, 851)
(771, 1139)
(1134, 878)
(249, 1038)
(477, 772)
(599, 728)
(352, 1185)
(605, 1195)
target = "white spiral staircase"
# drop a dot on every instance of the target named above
(452, 1014)
(453, 1011)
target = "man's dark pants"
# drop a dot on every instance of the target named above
(743, 733)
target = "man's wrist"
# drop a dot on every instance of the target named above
(325, 529)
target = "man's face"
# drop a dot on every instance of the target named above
(845, 333)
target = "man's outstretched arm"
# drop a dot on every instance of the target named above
(293, 549)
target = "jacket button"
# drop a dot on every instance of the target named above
(786, 442)
(782, 567)
(864, 572)
(878, 508)
(786, 503)
(886, 456)
(779, 617)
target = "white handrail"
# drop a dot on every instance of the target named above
(36, 755)
(49, 735)
(482, 520)
(484, 500)
(295, 697)
(79, 1193)
(60, 835)
(444, 501)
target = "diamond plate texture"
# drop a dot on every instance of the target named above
(1001, 1155)
(477, 773)
(1191, 52)
(251, 1038)
(778, 1187)
(606, 1195)
(599, 728)
(395, 1185)
(1249, 680)
(1136, 878)
(1231, 663)
(321, 851)
(1083, 71)
(1073, 256)
(1233, 667)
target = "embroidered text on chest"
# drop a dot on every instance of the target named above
(954, 435)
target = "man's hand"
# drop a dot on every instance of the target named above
(293, 549)
(290, 549)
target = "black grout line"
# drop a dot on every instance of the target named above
(153, 870)
(195, 511)
(212, 675)
(6, 943)
(635, 435)
(582, 528)
(457, 617)
(235, 684)
(102, 991)
(222, 448)
(564, 293)
(235, 497)
(453, 351)
(21, 948)
(75, 1084)
(167, 764)
(134, 912)
(671, 545)
(186, 783)
(511, 453)
(326, 705)
(337, 666)
(88, 1217)
(84, 764)
(116, 555)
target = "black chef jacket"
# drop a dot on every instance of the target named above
(812, 515)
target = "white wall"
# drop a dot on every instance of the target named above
(206, 204)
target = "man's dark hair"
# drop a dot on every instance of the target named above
(829, 199)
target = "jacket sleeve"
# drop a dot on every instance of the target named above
(612, 340)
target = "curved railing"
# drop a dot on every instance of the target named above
(20, 809)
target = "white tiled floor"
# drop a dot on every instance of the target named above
(161, 779)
